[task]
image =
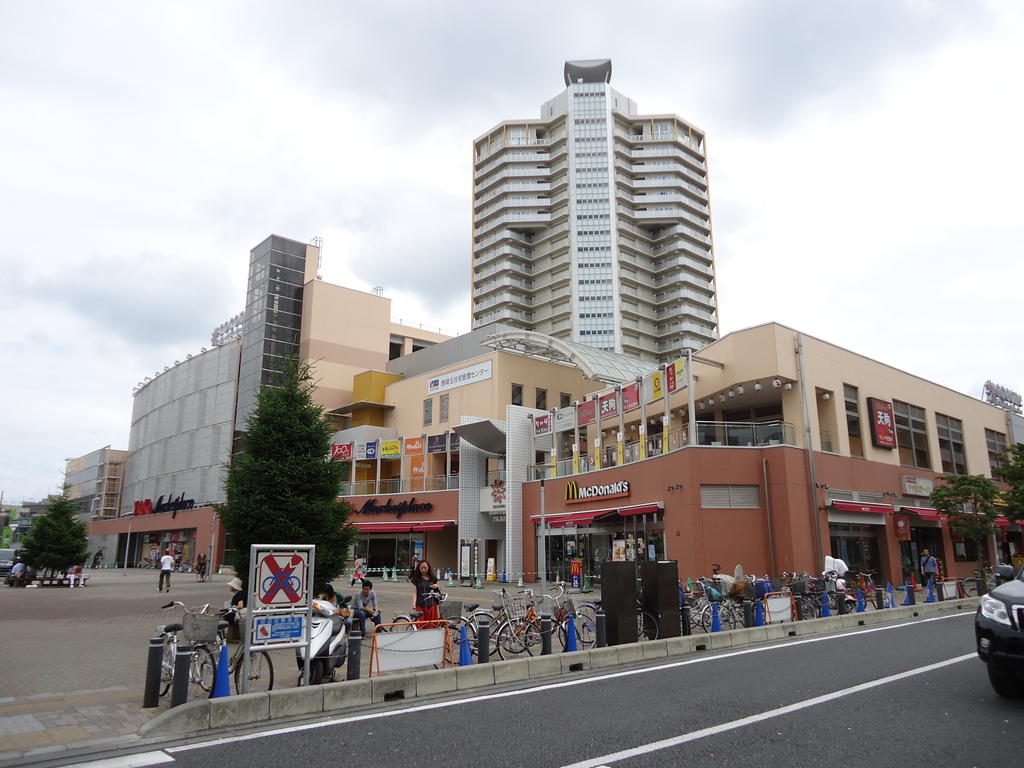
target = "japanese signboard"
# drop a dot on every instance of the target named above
(437, 443)
(654, 387)
(917, 486)
(631, 397)
(565, 418)
(587, 412)
(609, 406)
(460, 378)
(278, 629)
(542, 424)
(390, 448)
(342, 452)
(883, 427)
(675, 374)
(414, 446)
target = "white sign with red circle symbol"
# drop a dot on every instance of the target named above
(282, 580)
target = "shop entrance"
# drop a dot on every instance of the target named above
(381, 551)
(858, 547)
(636, 538)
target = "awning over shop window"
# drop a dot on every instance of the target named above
(412, 526)
(640, 509)
(925, 513)
(585, 518)
(860, 506)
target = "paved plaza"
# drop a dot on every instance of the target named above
(74, 660)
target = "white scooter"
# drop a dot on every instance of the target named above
(328, 639)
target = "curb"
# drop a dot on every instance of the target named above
(332, 698)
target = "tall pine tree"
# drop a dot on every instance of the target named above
(58, 539)
(283, 488)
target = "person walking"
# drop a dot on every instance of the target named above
(929, 567)
(201, 567)
(358, 570)
(426, 591)
(166, 564)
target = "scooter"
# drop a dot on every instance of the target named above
(328, 640)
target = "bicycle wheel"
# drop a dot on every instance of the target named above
(261, 672)
(202, 670)
(969, 587)
(807, 609)
(167, 667)
(455, 627)
(646, 626)
(492, 633)
(404, 620)
(511, 640)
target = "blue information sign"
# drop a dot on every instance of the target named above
(279, 629)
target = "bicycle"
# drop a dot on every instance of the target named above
(261, 666)
(202, 666)
(451, 614)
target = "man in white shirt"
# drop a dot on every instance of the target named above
(166, 564)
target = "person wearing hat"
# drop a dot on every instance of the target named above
(166, 564)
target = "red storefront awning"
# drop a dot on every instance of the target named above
(640, 509)
(575, 518)
(412, 526)
(1003, 522)
(925, 513)
(860, 506)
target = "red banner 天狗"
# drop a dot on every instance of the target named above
(609, 406)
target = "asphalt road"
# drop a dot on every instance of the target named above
(906, 695)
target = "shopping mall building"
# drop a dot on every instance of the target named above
(769, 448)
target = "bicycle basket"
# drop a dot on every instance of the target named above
(450, 609)
(200, 628)
(566, 606)
(517, 607)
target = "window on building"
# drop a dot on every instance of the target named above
(965, 551)
(542, 399)
(517, 394)
(428, 411)
(951, 444)
(564, 399)
(850, 394)
(442, 416)
(911, 435)
(730, 497)
(996, 443)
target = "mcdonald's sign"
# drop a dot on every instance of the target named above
(574, 493)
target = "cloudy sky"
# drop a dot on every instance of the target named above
(865, 161)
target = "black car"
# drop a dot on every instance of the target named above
(999, 632)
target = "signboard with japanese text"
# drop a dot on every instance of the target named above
(413, 446)
(542, 424)
(587, 412)
(565, 418)
(390, 448)
(883, 426)
(460, 378)
(269, 630)
(371, 449)
(675, 374)
(917, 486)
(902, 525)
(437, 443)
(341, 452)
(654, 387)
(608, 406)
(630, 397)
(453, 441)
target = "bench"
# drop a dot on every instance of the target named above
(54, 581)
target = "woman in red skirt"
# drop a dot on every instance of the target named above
(425, 583)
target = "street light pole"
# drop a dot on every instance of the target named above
(128, 546)
(542, 554)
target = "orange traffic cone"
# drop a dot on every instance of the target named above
(913, 581)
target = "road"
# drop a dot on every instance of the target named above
(905, 695)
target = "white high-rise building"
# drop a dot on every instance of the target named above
(593, 224)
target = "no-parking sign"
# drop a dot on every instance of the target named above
(282, 579)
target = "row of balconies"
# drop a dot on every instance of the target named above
(542, 172)
(486, 150)
(700, 211)
(512, 187)
(660, 136)
(663, 150)
(625, 167)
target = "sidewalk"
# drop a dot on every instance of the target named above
(75, 659)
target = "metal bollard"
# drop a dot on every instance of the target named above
(355, 655)
(911, 597)
(748, 613)
(182, 662)
(483, 640)
(841, 605)
(151, 694)
(879, 598)
(545, 634)
(601, 630)
(685, 617)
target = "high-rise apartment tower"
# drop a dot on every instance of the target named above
(593, 224)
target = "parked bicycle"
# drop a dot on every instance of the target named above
(195, 628)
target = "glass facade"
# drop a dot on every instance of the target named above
(273, 317)
(592, 216)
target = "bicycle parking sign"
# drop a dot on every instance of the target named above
(282, 579)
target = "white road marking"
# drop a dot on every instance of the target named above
(128, 761)
(548, 686)
(654, 746)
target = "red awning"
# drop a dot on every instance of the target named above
(412, 526)
(575, 518)
(640, 509)
(925, 513)
(860, 506)
(1003, 522)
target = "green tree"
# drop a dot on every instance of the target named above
(969, 501)
(283, 488)
(57, 539)
(1011, 470)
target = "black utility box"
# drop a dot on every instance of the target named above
(661, 595)
(618, 599)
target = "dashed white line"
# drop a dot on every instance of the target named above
(128, 761)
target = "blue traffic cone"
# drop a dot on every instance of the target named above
(716, 623)
(758, 614)
(221, 686)
(931, 592)
(570, 635)
(890, 596)
(906, 592)
(465, 656)
(825, 610)
(860, 601)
